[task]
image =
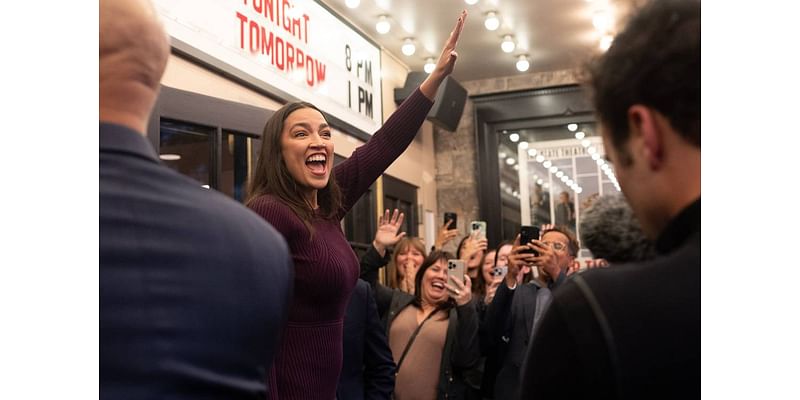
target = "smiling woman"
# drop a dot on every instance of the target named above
(433, 333)
(292, 189)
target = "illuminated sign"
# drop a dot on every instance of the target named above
(297, 47)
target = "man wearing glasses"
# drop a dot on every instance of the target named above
(513, 315)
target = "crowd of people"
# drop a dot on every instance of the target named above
(203, 297)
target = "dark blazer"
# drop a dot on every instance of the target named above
(367, 365)
(627, 332)
(194, 287)
(506, 330)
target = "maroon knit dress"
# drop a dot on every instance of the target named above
(309, 359)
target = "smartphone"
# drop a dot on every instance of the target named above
(455, 269)
(451, 216)
(500, 271)
(526, 234)
(479, 226)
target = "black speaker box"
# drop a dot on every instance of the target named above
(413, 80)
(449, 104)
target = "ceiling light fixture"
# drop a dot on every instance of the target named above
(352, 3)
(408, 47)
(601, 20)
(514, 137)
(523, 145)
(580, 135)
(532, 152)
(605, 42)
(522, 63)
(383, 26)
(508, 44)
(429, 65)
(170, 157)
(492, 22)
(470, 2)
(572, 127)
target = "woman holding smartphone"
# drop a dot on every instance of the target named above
(292, 190)
(433, 334)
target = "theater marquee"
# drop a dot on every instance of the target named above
(296, 47)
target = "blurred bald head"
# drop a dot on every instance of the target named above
(133, 54)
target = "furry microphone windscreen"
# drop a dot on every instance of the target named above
(611, 231)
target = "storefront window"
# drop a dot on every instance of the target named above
(187, 148)
(239, 155)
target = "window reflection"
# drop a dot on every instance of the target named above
(186, 148)
(551, 171)
(239, 155)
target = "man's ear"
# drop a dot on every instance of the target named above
(646, 128)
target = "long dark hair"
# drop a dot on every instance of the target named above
(272, 177)
(433, 258)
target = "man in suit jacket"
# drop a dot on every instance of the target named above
(632, 331)
(194, 287)
(367, 365)
(517, 307)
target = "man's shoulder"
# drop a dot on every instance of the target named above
(658, 274)
(646, 302)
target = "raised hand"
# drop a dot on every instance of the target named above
(445, 235)
(472, 245)
(548, 260)
(447, 60)
(492, 289)
(518, 264)
(387, 235)
(460, 292)
(409, 276)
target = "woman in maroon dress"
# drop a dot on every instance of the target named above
(291, 189)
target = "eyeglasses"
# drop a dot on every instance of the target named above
(556, 245)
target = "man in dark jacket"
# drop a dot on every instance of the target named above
(367, 365)
(632, 331)
(518, 307)
(194, 287)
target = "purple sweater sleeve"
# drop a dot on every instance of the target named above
(370, 160)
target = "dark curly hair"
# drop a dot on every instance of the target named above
(655, 62)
